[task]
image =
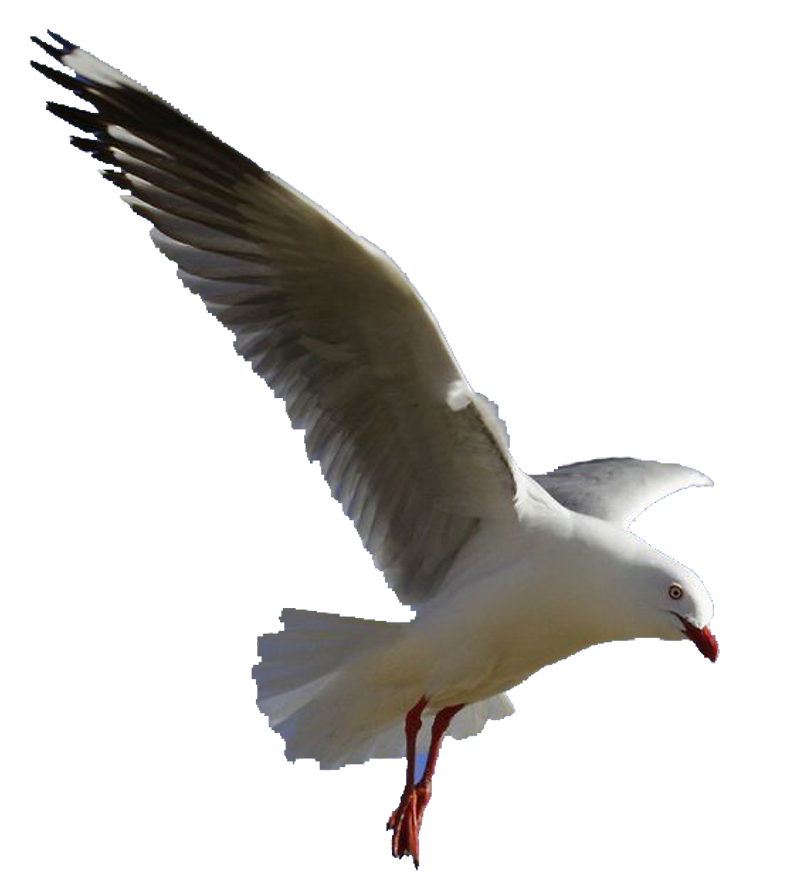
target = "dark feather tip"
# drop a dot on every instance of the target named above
(116, 177)
(61, 78)
(86, 145)
(67, 44)
(53, 51)
(94, 147)
(87, 121)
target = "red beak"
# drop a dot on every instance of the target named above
(702, 638)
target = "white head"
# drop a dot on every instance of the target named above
(639, 592)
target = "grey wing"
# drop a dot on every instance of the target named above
(416, 458)
(617, 489)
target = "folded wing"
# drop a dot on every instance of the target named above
(415, 457)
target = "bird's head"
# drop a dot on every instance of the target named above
(673, 601)
(690, 610)
(636, 591)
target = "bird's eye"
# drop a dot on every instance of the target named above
(675, 592)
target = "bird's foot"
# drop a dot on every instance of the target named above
(405, 822)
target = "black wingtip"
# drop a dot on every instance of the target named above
(117, 177)
(87, 121)
(86, 143)
(60, 77)
(52, 51)
(56, 52)
(93, 147)
(68, 45)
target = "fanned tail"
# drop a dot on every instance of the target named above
(337, 716)
(300, 661)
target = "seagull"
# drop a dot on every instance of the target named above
(506, 572)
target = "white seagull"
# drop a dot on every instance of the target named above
(507, 572)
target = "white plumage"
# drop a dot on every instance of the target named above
(507, 572)
(318, 670)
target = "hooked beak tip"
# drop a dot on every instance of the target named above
(710, 647)
(702, 638)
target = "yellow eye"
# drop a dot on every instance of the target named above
(675, 592)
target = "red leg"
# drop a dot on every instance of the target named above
(406, 820)
(413, 725)
(399, 823)
(440, 724)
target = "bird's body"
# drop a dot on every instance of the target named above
(507, 572)
(520, 597)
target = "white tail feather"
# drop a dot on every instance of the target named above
(337, 716)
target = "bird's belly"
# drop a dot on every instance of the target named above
(491, 670)
(493, 675)
(486, 639)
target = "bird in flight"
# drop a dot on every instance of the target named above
(506, 572)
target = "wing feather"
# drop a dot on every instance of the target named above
(416, 458)
(617, 489)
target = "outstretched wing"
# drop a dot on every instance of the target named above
(617, 489)
(415, 457)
